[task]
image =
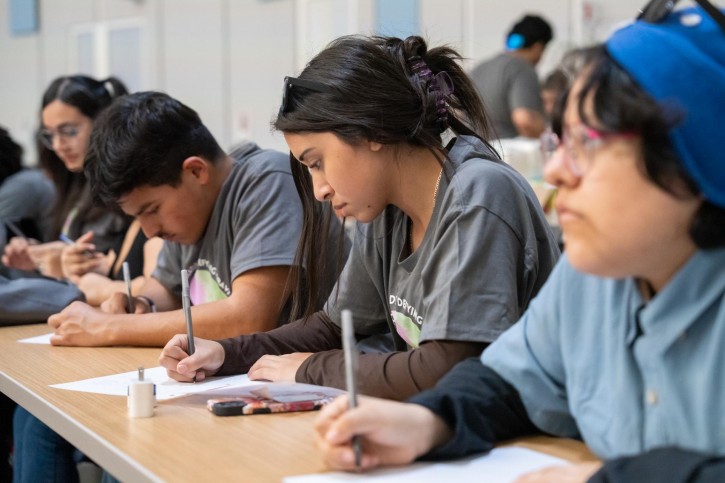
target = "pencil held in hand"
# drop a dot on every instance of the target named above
(127, 280)
(186, 302)
(348, 346)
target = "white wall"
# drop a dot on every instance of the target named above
(227, 58)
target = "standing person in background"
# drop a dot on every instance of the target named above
(624, 347)
(509, 85)
(451, 245)
(68, 108)
(26, 195)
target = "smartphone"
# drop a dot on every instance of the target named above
(241, 406)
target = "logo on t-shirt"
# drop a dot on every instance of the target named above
(204, 288)
(406, 319)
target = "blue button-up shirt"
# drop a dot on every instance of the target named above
(591, 359)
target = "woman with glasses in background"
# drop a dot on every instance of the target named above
(68, 107)
(624, 347)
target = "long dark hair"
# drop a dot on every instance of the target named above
(90, 97)
(620, 105)
(374, 92)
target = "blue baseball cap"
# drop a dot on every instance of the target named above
(680, 62)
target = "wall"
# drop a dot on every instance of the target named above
(227, 58)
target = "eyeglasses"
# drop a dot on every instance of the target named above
(579, 143)
(292, 82)
(67, 133)
(656, 10)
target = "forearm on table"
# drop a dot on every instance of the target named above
(395, 375)
(214, 320)
(316, 333)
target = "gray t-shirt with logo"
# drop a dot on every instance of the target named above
(506, 83)
(256, 222)
(487, 251)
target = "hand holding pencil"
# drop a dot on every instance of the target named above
(80, 257)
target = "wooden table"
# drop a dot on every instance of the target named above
(183, 441)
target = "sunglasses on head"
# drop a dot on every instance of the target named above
(291, 83)
(656, 10)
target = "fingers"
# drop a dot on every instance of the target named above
(351, 422)
(343, 458)
(265, 368)
(86, 237)
(181, 366)
(57, 339)
(140, 306)
(54, 320)
(329, 414)
(173, 353)
(117, 303)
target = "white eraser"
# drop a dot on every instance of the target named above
(141, 397)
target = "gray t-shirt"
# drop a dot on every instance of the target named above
(487, 251)
(27, 194)
(256, 222)
(505, 83)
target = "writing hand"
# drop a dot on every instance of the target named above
(46, 257)
(117, 303)
(207, 358)
(16, 254)
(81, 258)
(278, 368)
(578, 473)
(391, 433)
(79, 324)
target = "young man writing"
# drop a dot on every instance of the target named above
(233, 220)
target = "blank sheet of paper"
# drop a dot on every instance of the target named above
(38, 339)
(501, 465)
(167, 388)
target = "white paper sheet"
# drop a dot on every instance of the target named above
(501, 465)
(166, 388)
(38, 339)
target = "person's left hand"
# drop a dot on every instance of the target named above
(578, 473)
(79, 324)
(81, 258)
(278, 368)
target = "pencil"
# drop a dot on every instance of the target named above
(348, 346)
(186, 301)
(127, 280)
(14, 228)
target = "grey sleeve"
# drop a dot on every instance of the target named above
(168, 267)
(26, 300)
(476, 286)
(525, 91)
(25, 194)
(267, 223)
(355, 289)
(529, 357)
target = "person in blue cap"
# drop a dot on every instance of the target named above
(509, 84)
(624, 347)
